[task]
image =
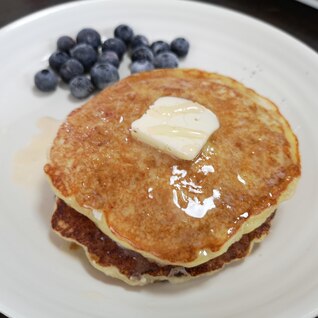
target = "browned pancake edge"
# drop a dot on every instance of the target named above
(131, 267)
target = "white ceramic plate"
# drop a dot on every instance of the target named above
(311, 3)
(40, 276)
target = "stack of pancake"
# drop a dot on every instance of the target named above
(133, 208)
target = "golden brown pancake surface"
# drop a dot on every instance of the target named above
(141, 197)
(132, 267)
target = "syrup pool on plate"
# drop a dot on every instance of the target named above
(29, 161)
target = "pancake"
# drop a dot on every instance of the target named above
(129, 266)
(139, 196)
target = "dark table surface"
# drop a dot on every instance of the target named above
(295, 18)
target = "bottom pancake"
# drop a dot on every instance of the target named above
(131, 267)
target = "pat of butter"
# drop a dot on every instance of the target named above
(176, 126)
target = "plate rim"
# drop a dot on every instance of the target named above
(75, 3)
(60, 7)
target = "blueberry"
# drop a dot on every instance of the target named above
(142, 53)
(85, 54)
(65, 43)
(104, 74)
(138, 40)
(109, 57)
(180, 46)
(116, 45)
(159, 47)
(70, 69)
(81, 86)
(57, 59)
(45, 80)
(124, 32)
(89, 36)
(141, 66)
(166, 60)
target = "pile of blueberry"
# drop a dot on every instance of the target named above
(87, 64)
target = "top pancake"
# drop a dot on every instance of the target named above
(139, 196)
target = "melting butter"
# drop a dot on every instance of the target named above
(174, 109)
(176, 131)
(176, 126)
